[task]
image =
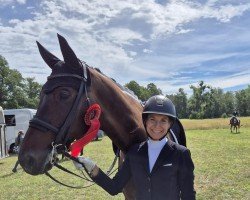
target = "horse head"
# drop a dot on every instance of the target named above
(62, 103)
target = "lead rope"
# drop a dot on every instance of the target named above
(54, 161)
(66, 154)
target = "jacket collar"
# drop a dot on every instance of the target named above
(164, 155)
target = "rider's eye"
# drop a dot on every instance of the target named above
(151, 119)
(64, 94)
(164, 121)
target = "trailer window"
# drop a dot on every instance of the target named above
(10, 120)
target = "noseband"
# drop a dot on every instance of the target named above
(62, 133)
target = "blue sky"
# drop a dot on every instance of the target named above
(173, 44)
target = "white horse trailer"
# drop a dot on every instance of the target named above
(16, 120)
(3, 147)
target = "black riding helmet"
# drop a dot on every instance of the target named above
(159, 104)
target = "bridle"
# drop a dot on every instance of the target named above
(62, 133)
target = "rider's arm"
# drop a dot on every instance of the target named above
(112, 185)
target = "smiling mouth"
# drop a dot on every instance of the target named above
(156, 132)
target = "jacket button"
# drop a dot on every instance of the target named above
(148, 190)
(148, 178)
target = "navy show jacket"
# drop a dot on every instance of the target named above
(171, 178)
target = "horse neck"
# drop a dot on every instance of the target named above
(121, 114)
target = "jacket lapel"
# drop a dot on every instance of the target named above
(164, 155)
(143, 152)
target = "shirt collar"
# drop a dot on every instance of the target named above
(157, 144)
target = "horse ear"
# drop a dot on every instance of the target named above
(68, 54)
(48, 57)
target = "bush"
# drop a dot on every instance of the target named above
(224, 115)
(196, 115)
(193, 115)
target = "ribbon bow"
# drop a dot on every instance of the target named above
(91, 118)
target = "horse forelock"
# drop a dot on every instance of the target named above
(62, 68)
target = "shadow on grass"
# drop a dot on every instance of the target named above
(8, 175)
(234, 133)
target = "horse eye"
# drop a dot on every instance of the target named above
(64, 94)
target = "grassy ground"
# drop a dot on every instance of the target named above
(222, 163)
(222, 168)
(219, 123)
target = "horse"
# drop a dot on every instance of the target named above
(234, 124)
(70, 90)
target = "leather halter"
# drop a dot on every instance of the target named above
(62, 133)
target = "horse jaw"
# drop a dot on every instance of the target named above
(34, 159)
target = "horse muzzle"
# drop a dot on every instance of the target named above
(35, 163)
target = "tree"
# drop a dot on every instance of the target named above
(15, 91)
(242, 102)
(180, 102)
(32, 90)
(11, 87)
(153, 90)
(248, 100)
(4, 72)
(197, 103)
(143, 93)
(228, 104)
(135, 87)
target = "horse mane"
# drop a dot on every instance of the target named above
(123, 88)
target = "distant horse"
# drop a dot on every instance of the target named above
(234, 124)
(69, 91)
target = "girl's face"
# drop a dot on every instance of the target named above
(157, 125)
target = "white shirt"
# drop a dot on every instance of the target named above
(154, 149)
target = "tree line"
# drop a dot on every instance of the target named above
(205, 101)
(15, 90)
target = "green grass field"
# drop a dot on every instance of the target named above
(221, 158)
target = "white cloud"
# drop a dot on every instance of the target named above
(182, 31)
(225, 13)
(122, 36)
(21, 1)
(4, 3)
(147, 51)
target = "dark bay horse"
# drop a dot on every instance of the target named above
(69, 91)
(234, 124)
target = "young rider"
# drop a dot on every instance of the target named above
(159, 168)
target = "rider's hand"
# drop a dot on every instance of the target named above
(88, 164)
